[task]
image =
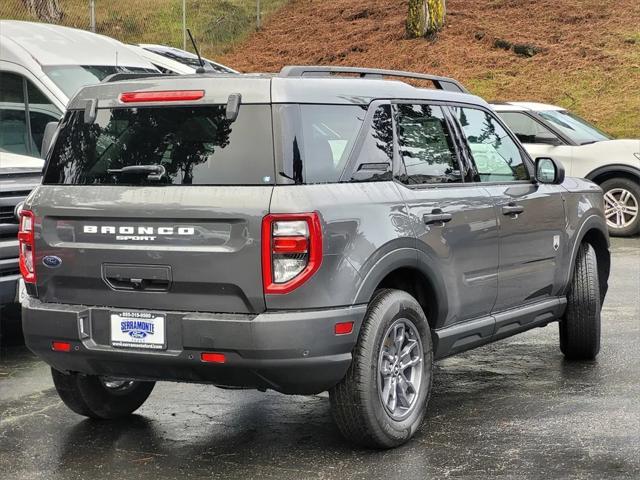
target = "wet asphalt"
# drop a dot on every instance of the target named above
(514, 409)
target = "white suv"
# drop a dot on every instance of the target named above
(586, 152)
(41, 67)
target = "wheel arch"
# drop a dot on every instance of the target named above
(594, 232)
(602, 174)
(402, 269)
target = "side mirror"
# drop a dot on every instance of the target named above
(549, 171)
(47, 138)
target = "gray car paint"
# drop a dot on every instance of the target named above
(492, 276)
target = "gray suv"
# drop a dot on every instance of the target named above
(320, 229)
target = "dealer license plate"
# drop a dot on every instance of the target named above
(138, 330)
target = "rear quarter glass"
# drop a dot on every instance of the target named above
(196, 145)
(314, 142)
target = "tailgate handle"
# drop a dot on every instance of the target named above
(140, 278)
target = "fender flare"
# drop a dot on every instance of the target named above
(628, 169)
(592, 222)
(404, 258)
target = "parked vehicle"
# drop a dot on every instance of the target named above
(298, 234)
(174, 60)
(586, 152)
(55, 61)
(18, 176)
(41, 67)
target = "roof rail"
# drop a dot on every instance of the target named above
(441, 83)
(115, 77)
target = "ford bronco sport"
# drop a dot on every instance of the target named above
(300, 232)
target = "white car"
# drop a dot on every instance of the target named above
(586, 152)
(41, 67)
(174, 60)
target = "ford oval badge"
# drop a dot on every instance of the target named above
(52, 261)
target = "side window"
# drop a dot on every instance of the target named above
(376, 154)
(426, 146)
(13, 122)
(15, 136)
(41, 112)
(314, 142)
(529, 130)
(496, 156)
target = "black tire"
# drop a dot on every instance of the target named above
(580, 327)
(87, 395)
(356, 403)
(618, 184)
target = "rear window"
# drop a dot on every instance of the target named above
(195, 145)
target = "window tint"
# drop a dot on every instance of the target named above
(376, 154)
(316, 140)
(195, 145)
(14, 132)
(13, 123)
(529, 130)
(426, 146)
(496, 156)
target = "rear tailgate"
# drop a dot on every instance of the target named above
(156, 201)
(170, 248)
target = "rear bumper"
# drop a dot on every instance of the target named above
(288, 351)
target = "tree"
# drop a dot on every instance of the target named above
(45, 10)
(426, 17)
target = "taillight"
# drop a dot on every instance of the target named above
(291, 250)
(27, 246)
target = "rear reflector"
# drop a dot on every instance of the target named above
(344, 328)
(211, 357)
(61, 346)
(164, 96)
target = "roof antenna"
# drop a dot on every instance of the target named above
(200, 69)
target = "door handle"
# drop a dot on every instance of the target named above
(436, 216)
(512, 209)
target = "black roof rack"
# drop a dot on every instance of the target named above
(441, 83)
(115, 77)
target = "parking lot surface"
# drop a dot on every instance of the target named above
(514, 409)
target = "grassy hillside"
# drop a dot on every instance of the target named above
(216, 24)
(589, 59)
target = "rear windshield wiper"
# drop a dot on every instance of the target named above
(153, 172)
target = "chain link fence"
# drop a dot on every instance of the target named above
(215, 24)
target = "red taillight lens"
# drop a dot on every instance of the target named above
(291, 250)
(26, 242)
(290, 245)
(211, 357)
(164, 96)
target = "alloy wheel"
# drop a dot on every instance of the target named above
(621, 208)
(400, 366)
